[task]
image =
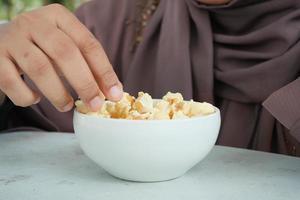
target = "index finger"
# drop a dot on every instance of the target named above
(92, 51)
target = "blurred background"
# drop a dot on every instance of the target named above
(10, 8)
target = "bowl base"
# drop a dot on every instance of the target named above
(128, 179)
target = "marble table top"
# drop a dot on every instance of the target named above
(42, 166)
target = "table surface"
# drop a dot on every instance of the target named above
(38, 165)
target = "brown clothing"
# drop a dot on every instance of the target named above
(243, 57)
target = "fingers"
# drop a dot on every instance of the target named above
(49, 40)
(37, 66)
(71, 63)
(92, 51)
(13, 86)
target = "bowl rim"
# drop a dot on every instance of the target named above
(216, 113)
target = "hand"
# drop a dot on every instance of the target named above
(46, 42)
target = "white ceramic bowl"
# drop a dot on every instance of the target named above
(147, 150)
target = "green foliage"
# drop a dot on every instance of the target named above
(10, 8)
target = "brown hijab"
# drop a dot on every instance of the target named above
(235, 56)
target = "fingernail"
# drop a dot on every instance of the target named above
(115, 92)
(96, 103)
(68, 107)
(37, 100)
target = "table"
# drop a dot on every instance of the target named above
(42, 166)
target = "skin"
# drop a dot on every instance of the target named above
(48, 43)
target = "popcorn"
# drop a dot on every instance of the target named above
(179, 115)
(104, 110)
(143, 103)
(135, 115)
(163, 106)
(160, 114)
(121, 109)
(110, 107)
(81, 107)
(127, 99)
(198, 108)
(173, 98)
(185, 107)
(172, 106)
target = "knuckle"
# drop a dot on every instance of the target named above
(3, 51)
(88, 89)
(91, 45)
(56, 7)
(109, 78)
(7, 82)
(64, 50)
(38, 67)
(23, 20)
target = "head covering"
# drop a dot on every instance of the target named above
(234, 56)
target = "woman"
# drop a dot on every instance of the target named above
(241, 55)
